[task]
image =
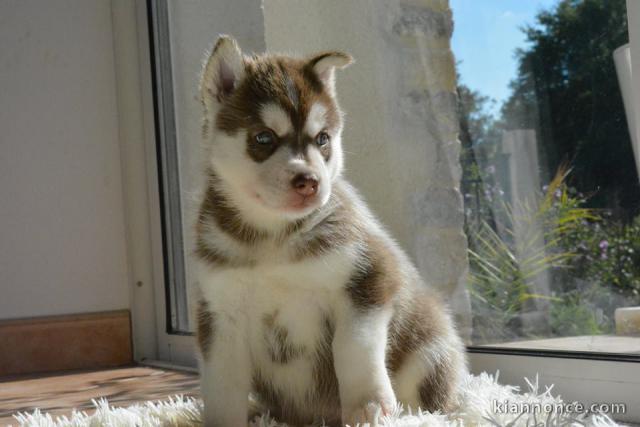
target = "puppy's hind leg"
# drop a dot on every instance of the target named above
(430, 376)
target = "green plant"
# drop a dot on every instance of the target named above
(608, 252)
(505, 264)
(571, 316)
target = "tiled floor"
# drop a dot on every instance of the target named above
(59, 393)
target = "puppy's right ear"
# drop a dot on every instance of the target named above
(223, 70)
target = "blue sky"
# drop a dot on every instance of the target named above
(485, 37)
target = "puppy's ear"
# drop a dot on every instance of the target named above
(324, 64)
(223, 70)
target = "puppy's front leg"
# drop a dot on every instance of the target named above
(359, 356)
(226, 374)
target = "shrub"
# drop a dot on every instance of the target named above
(592, 262)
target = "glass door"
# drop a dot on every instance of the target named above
(550, 175)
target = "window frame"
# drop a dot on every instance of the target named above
(168, 170)
(607, 376)
(596, 377)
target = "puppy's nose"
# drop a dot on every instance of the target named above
(305, 184)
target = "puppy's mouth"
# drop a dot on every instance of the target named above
(298, 202)
(294, 203)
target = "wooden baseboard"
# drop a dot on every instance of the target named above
(67, 342)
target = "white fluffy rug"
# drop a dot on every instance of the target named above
(477, 406)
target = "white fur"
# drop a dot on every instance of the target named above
(227, 61)
(359, 348)
(229, 362)
(276, 119)
(298, 294)
(337, 157)
(262, 190)
(316, 120)
(325, 69)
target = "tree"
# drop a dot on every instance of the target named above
(477, 129)
(566, 89)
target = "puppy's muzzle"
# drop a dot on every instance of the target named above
(305, 184)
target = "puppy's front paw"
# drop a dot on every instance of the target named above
(369, 412)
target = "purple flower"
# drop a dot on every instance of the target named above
(604, 245)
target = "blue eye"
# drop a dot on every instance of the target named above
(265, 138)
(322, 139)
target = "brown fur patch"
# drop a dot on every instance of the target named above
(322, 402)
(436, 390)
(334, 230)
(205, 327)
(278, 404)
(281, 350)
(324, 374)
(412, 328)
(325, 240)
(208, 253)
(327, 395)
(217, 211)
(416, 326)
(260, 152)
(376, 278)
(216, 208)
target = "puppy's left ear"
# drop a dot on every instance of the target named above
(324, 64)
(223, 70)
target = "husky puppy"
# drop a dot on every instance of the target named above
(306, 301)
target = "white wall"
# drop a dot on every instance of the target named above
(62, 241)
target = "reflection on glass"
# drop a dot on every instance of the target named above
(551, 188)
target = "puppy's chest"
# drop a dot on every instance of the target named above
(286, 326)
(291, 329)
(263, 284)
(290, 343)
(283, 309)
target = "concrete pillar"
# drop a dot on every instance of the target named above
(524, 182)
(401, 127)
